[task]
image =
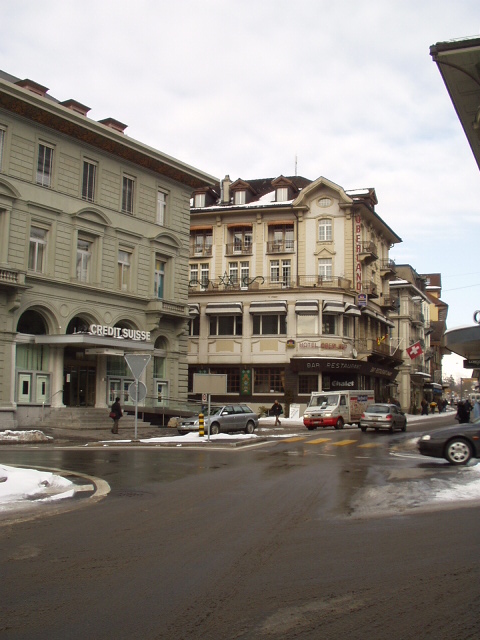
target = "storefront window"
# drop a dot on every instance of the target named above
(33, 357)
(117, 366)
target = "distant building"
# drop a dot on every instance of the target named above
(289, 289)
(94, 231)
(411, 319)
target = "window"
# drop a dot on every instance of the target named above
(267, 325)
(124, 259)
(194, 326)
(204, 275)
(2, 145)
(242, 239)
(283, 237)
(37, 249)
(161, 207)
(329, 324)
(84, 257)
(44, 165)
(307, 384)
(281, 272)
(193, 274)
(324, 229)
(325, 268)
(202, 241)
(127, 194)
(88, 182)
(233, 378)
(159, 278)
(268, 379)
(347, 327)
(199, 200)
(239, 197)
(224, 325)
(244, 273)
(233, 272)
(282, 194)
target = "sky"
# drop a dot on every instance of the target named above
(23, 488)
(346, 90)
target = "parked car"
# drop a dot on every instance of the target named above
(225, 418)
(457, 444)
(383, 416)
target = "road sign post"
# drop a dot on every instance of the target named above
(137, 363)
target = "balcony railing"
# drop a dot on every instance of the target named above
(281, 246)
(387, 267)
(11, 277)
(238, 249)
(379, 346)
(200, 251)
(368, 252)
(226, 282)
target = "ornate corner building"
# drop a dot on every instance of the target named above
(94, 230)
(289, 289)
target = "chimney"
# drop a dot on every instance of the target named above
(32, 86)
(114, 124)
(76, 106)
(225, 195)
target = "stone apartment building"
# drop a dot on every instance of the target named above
(289, 290)
(94, 236)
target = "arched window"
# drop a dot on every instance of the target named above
(324, 229)
(32, 322)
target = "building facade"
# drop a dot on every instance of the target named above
(94, 232)
(289, 289)
(411, 319)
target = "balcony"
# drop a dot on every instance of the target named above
(368, 252)
(370, 288)
(238, 249)
(199, 251)
(281, 246)
(167, 308)
(228, 283)
(11, 278)
(388, 268)
(418, 319)
(387, 302)
(378, 347)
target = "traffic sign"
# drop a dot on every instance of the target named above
(137, 363)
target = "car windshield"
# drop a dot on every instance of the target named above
(377, 408)
(324, 401)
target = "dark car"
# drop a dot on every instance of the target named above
(383, 416)
(229, 417)
(457, 444)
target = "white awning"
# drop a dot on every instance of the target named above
(224, 308)
(194, 309)
(269, 306)
(332, 306)
(306, 307)
(352, 310)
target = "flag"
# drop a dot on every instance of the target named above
(415, 350)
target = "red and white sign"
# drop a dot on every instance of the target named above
(415, 350)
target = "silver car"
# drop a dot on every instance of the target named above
(225, 418)
(383, 416)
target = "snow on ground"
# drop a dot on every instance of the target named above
(25, 486)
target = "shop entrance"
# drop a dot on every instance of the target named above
(79, 379)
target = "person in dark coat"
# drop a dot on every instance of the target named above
(463, 414)
(117, 410)
(276, 411)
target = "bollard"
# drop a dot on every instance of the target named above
(201, 431)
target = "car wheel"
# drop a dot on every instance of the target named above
(363, 429)
(458, 451)
(339, 424)
(311, 428)
(250, 428)
(215, 429)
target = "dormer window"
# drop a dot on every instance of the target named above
(282, 194)
(199, 200)
(239, 197)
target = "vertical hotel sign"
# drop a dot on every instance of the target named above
(358, 249)
(246, 382)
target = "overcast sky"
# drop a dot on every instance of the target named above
(255, 88)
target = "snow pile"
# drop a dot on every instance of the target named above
(18, 485)
(24, 436)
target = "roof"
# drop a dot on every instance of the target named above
(459, 64)
(31, 101)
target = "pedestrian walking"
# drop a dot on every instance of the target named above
(424, 404)
(476, 409)
(116, 413)
(276, 411)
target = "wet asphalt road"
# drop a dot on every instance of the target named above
(282, 540)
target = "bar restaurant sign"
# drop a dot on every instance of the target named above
(117, 332)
